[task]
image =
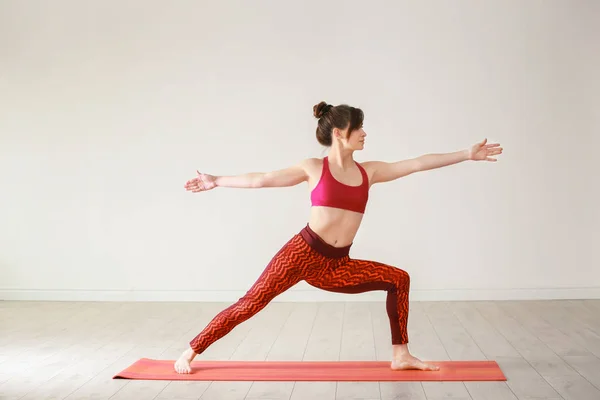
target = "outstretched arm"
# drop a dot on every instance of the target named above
(284, 177)
(290, 176)
(386, 171)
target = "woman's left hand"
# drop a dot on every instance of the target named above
(483, 151)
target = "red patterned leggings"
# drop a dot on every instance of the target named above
(306, 257)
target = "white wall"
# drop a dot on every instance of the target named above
(107, 108)
(592, 87)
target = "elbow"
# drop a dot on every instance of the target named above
(259, 181)
(418, 165)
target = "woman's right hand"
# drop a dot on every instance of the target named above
(201, 183)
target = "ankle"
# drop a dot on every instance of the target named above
(400, 351)
(190, 353)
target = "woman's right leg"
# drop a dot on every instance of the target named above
(285, 270)
(279, 275)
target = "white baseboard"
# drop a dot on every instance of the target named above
(294, 295)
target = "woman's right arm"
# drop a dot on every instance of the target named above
(290, 176)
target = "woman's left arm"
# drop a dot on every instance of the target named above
(380, 171)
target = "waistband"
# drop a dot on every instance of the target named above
(318, 244)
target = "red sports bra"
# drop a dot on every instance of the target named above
(330, 192)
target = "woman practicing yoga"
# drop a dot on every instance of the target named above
(319, 253)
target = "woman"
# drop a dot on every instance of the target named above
(319, 253)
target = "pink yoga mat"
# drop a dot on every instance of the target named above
(148, 369)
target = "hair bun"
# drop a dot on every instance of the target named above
(321, 109)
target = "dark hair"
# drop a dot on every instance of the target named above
(341, 117)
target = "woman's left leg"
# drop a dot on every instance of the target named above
(358, 276)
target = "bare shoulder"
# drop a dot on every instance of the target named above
(311, 164)
(312, 168)
(369, 164)
(370, 167)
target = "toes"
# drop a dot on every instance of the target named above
(182, 369)
(429, 367)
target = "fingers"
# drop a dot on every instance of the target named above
(197, 187)
(191, 183)
(194, 185)
(489, 146)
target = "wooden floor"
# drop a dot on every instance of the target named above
(547, 349)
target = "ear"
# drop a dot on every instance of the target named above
(337, 133)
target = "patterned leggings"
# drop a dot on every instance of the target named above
(307, 257)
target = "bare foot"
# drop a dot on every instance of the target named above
(182, 365)
(410, 362)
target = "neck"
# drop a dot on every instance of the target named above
(342, 158)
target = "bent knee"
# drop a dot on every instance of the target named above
(402, 279)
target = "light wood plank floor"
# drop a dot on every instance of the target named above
(57, 350)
